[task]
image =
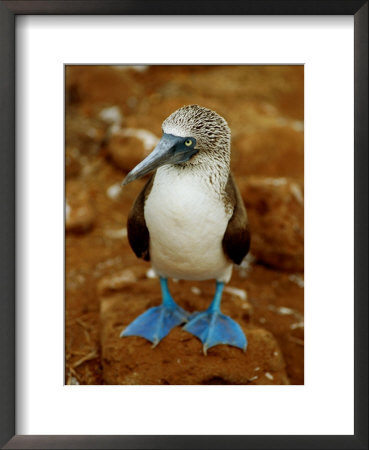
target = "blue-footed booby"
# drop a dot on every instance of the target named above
(190, 221)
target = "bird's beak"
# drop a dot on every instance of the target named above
(164, 153)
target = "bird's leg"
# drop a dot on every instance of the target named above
(155, 323)
(214, 328)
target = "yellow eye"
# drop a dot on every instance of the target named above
(188, 143)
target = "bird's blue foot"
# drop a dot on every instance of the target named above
(155, 323)
(214, 328)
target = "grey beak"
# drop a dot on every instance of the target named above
(164, 153)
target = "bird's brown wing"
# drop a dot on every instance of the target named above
(138, 234)
(236, 239)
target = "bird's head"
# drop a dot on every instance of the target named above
(192, 136)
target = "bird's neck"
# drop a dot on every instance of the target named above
(213, 174)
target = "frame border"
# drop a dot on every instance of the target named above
(8, 12)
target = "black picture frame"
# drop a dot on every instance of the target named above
(8, 12)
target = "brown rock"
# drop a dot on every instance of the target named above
(103, 85)
(276, 214)
(84, 134)
(80, 214)
(273, 151)
(178, 359)
(128, 147)
(72, 163)
(126, 152)
(120, 279)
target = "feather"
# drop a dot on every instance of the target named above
(236, 240)
(138, 234)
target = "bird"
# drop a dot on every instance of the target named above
(190, 222)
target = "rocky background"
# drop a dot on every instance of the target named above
(113, 120)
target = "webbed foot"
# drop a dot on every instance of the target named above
(155, 323)
(214, 328)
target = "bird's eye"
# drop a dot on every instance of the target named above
(188, 143)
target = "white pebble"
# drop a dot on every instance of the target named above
(297, 325)
(148, 139)
(108, 263)
(297, 279)
(241, 293)
(67, 211)
(141, 68)
(275, 181)
(297, 193)
(114, 191)
(116, 234)
(74, 381)
(195, 290)
(298, 125)
(151, 273)
(127, 276)
(111, 114)
(284, 310)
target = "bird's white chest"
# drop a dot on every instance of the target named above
(186, 220)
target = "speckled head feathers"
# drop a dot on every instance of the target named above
(209, 129)
(213, 140)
